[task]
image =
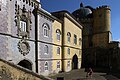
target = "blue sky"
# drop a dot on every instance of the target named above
(71, 5)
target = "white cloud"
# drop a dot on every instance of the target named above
(118, 40)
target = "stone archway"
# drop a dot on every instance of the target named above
(75, 62)
(25, 64)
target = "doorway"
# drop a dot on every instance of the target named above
(25, 64)
(75, 62)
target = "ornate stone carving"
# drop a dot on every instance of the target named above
(23, 15)
(23, 47)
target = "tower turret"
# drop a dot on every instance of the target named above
(101, 19)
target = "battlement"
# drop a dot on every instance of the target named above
(103, 7)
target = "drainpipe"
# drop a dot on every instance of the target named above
(36, 38)
(63, 45)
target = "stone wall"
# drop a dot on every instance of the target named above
(9, 71)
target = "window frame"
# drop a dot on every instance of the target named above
(58, 34)
(80, 41)
(68, 37)
(45, 30)
(23, 26)
(58, 50)
(68, 64)
(75, 39)
(46, 67)
(46, 49)
(58, 64)
(68, 51)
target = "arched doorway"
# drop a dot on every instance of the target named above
(75, 62)
(25, 64)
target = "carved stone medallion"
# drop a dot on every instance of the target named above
(23, 47)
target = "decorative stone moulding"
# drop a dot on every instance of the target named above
(23, 47)
(23, 15)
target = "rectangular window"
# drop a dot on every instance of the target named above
(58, 36)
(69, 51)
(46, 49)
(58, 50)
(68, 38)
(46, 66)
(68, 64)
(23, 26)
(80, 41)
(45, 30)
(58, 64)
(75, 39)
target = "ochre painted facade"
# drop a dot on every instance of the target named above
(57, 58)
(69, 26)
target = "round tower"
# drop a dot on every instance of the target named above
(101, 17)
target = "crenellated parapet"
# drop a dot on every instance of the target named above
(101, 17)
(103, 7)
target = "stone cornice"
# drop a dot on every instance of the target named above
(73, 20)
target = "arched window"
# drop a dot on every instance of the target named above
(58, 64)
(68, 36)
(46, 66)
(23, 26)
(45, 30)
(58, 50)
(75, 39)
(69, 51)
(68, 63)
(58, 34)
(80, 41)
(46, 49)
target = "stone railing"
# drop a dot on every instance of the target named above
(10, 71)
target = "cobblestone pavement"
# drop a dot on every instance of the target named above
(81, 75)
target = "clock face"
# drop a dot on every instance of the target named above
(23, 47)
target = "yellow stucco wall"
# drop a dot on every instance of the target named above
(55, 69)
(64, 57)
(56, 57)
(73, 29)
(69, 26)
(56, 25)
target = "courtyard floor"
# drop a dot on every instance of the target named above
(81, 75)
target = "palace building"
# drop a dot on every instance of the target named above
(37, 40)
(46, 43)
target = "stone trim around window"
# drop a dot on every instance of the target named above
(58, 33)
(46, 30)
(46, 66)
(68, 37)
(22, 15)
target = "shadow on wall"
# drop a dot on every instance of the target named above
(10, 71)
